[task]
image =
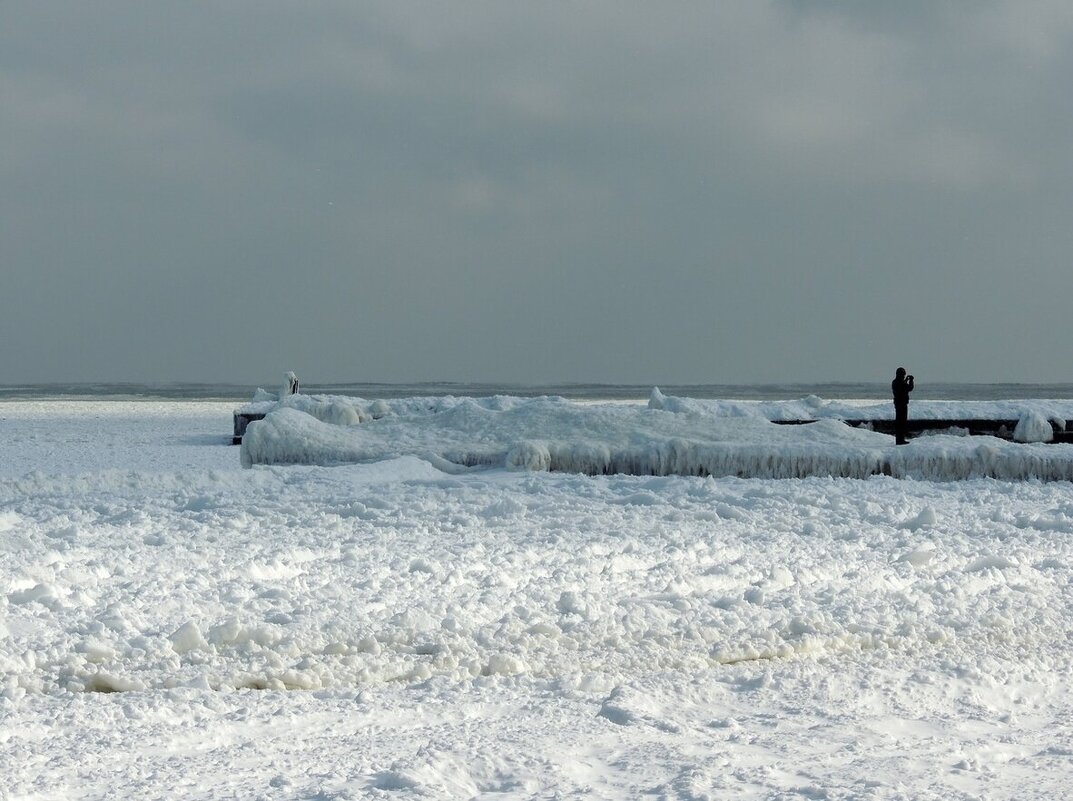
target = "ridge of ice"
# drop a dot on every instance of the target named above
(669, 436)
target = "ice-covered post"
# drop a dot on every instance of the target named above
(290, 385)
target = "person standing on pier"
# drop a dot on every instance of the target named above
(901, 386)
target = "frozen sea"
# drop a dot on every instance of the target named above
(579, 391)
(173, 625)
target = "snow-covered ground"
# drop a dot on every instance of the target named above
(172, 625)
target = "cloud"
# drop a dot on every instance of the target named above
(598, 191)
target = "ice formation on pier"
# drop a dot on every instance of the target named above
(671, 436)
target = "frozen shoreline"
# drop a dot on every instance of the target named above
(514, 633)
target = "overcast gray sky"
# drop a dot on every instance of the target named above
(724, 192)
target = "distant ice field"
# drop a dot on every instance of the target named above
(81, 436)
(927, 389)
(174, 625)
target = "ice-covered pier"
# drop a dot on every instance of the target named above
(261, 404)
(668, 436)
(968, 426)
(242, 421)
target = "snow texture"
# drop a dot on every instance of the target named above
(172, 625)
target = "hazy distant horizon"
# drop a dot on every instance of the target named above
(575, 390)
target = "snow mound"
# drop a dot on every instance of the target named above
(1033, 427)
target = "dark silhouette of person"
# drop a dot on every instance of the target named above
(901, 386)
